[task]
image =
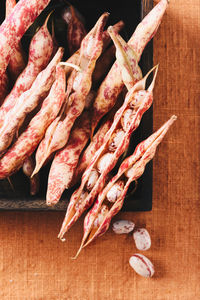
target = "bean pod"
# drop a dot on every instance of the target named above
(40, 51)
(75, 30)
(28, 101)
(29, 139)
(18, 58)
(112, 85)
(65, 161)
(13, 28)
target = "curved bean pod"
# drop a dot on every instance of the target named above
(4, 82)
(30, 138)
(112, 85)
(18, 58)
(28, 101)
(13, 28)
(65, 160)
(40, 52)
(74, 59)
(75, 31)
(95, 144)
(143, 153)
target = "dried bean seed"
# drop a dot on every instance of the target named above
(142, 265)
(123, 226)
(142, 239)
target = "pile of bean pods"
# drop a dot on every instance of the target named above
(52, 110)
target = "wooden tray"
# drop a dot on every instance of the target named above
(131, 13)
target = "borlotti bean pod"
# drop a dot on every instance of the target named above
(98, 219)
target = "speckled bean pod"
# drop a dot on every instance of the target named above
(13, 28)
(40, 51)
(94, 145)
(28, 101)
(143, 153)
(65, 161)
(72, 215)
(91, 48)
(4, 82)
(29, 139)
(18, 58)
(75, 30)
(113, 84)
(74, 59)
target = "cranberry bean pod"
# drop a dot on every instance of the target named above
(96, 143)
(75, 31)
(13, 28)
(126, 59)
(18, 58)
(40, 52)
(30, 138)
(113, 84)
(65, 160)
(28, 167)
(143, 153)
(91, 48)
(72, 215)
(28, 101)
(103, 65)
(74, 59)
(4, 82)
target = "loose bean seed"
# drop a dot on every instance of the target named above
(142, 265)
(123, 226)
(142, 239)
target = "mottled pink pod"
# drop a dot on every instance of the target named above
(112, 85)
(74, 58)
(4, 82)
(29, 139)
(28, 101)
(13, 28)
(142, 265)
(142, 239)
(148, 27)
(40, 51)
(103, 65)
(18, 58)
(75, 30)
(126, 59)
(95, 144)
(65, 161)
